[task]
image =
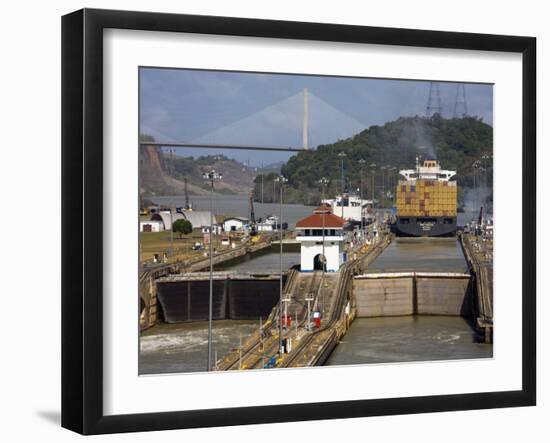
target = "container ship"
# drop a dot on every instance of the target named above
(426, 202)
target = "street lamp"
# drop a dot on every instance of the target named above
(274, 197)
(372, 166)
(383, 199)
(281, 180)
(484, 158)
(323, 182)
(342, 155)
(262, 187)
(476, 165)
(393, 183)
(171, 151)
(211, 177)
(361, 163)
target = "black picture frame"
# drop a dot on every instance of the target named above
(82, 259)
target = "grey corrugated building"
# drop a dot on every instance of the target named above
(199, 219)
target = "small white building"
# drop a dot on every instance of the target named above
(235, 224)
(311, 238)
(151, 226)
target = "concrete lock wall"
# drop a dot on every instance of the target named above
(385, 296)
(443, 296)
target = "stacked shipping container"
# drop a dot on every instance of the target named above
(430, 198)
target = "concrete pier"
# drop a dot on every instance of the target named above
(479, 255)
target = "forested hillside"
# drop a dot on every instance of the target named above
(456, 143)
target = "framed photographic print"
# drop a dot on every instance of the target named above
(270, 221)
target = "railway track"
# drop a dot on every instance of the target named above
(312, 348)
(299, 355)
(260, 345)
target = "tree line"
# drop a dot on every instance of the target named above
(461, 144)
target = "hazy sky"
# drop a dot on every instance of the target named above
(193, 106)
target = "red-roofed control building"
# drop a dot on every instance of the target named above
(310, 236)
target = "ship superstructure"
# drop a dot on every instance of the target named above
(426, 201)
(351, 208)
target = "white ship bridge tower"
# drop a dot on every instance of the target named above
(428, 170)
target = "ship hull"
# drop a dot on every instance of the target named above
(411, 226)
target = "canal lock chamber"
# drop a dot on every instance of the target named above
(232, 299)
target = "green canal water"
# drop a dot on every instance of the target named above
(407, 339)
(421, 255)
(183, 347)
(178, 348)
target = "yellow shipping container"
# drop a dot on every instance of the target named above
(425, 198)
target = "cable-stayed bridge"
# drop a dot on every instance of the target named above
(300, 121)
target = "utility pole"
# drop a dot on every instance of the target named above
(475, 190)
(281, 180)
(485, 160)
(361, 164)
(342, 155)
(305, 125)
(262, 188)
(372, 166)
(274, 198)
(383, 199)
(187, 204)
(211, 177)
(393, 183)
(309, 299)
(323, 182)
(171, 150)
(476, 165)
